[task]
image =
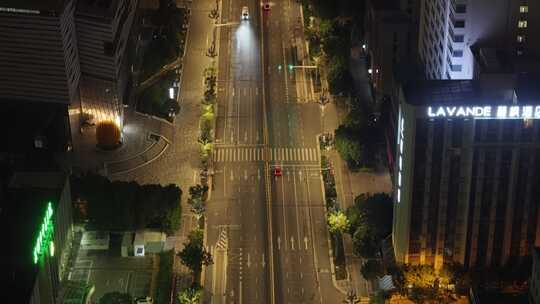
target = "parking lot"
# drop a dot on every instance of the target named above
(108, 271)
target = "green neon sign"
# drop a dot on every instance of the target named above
(44, 239)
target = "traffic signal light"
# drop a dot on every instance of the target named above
(279, 67)
(290, 67)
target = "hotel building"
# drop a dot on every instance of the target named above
(466, 172)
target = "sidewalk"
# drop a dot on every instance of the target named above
(348, 186)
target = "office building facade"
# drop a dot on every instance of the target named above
(103, 30)
(36, 215)
(39, 54)
(450, 30)
(467, 162)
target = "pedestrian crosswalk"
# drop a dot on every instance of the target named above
(241, 154)
(223, 241)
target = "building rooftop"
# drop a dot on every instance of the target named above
(22, 211)
(489, 89)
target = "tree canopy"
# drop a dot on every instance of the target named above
(370, 221)
(122, 205)
(194, 256)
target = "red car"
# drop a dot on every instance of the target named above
(277, 171)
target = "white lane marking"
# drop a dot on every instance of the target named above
(306, 242)
(245, 174)
(292, 242)
(263, 262)
(232, 90)
(278, 243)
(248, 260)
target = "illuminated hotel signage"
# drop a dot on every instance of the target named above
(44, 240)
(400, 159)
(486, 112)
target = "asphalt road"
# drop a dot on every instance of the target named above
(267, 234)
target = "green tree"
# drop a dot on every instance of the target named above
(372, 269)
(365, 244)
(378, 210)
(197, 206)
(337, 222)
(115, 298)
(198, 191)
(338, 76)
(127, 205)
(349, 147)
(194, 256)
(190, 295)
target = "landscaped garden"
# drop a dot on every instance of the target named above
(155, 99)
(165, 48)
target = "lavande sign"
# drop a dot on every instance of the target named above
(486, 112)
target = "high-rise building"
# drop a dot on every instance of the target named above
(36, 217)
(38, 51)
(450, 30)
(103, 29)
(467, 166)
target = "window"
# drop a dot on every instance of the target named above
(459, 38)
(523, 9)
(455, 67)
(461, 8)
(457, 53)
(522, 23)
(520, 38)
(459, 24)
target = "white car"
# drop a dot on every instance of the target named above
(245, 13)
(144, 300)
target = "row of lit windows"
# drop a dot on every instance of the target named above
(522, 24)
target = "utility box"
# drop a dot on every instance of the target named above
(147, 241)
